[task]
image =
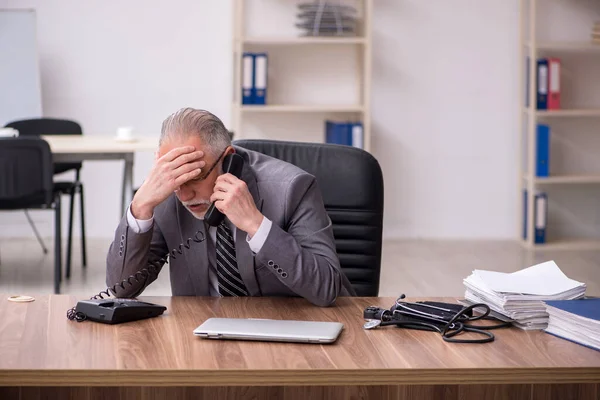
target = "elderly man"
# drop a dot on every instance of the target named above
(275, 240)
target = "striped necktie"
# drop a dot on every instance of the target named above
(230, 280)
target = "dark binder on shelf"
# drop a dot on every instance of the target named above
(260, 78)
(540, 216)
(247, 78)
(524, 214)
(542, 165)
(527, 77)
(337, 133)
(344, 133)
(542, 84)
(357, 139)
(554, 66)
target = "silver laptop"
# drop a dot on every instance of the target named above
(270, 330)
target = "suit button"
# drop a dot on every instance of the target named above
(122, 237)
(284, 275)
(279, 270)
(120, 253)
(270, 263)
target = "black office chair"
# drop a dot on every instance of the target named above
(351, 183)
(26, 183)
(52, 126)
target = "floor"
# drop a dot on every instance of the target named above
(413, 267)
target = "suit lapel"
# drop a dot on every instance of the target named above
(196, 257)
(243, 254)
(250, 179)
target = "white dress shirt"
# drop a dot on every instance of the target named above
(256, 243)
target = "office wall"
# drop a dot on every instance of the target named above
(112, 63)
(19, 68)
(444, 99)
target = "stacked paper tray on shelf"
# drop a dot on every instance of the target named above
(326, 18)
(520, 295)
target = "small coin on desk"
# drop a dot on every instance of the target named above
(21, 299)
(372, 323)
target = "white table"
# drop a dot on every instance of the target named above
(69, 148)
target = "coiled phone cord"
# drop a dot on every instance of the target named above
(152, 269)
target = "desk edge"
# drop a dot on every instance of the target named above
(231, 377)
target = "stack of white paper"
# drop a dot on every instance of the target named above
(520, 295)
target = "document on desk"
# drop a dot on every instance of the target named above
(544, 279)
(520, 295)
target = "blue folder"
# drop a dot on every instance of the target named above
(247, 78)
(587, 308)
(338, 133)
(527, 77)
(260, 78)
(344, 133)
(542, 84)
(542, 168)
(540, 216)
(540, 208)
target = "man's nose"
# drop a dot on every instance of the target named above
(185, 193)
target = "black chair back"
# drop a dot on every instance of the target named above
(49, 126)
(351, 183)
(25, 173)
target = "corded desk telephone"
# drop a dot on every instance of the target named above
(117, 310)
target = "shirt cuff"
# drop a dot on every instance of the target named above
(259, 238)
(138, 225)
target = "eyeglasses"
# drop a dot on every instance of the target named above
(203, 177)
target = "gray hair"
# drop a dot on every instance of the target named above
(189, 121)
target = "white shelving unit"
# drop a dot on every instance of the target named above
(302, 108)
(566, 113)
(532, 48)
(361, 43)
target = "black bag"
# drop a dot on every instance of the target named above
(448, 319)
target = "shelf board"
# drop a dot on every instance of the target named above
(586, 47)
(301, 108)
(304, 40)
(566, 179)
(591, 112)
(567, 244)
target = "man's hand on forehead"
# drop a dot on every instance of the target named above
(170, 170)
(189, 153)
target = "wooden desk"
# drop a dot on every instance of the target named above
(73, 148)
(42, 353)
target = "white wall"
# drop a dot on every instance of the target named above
(444, 101)
(444, 113)
(113, 63)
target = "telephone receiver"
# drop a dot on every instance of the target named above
(233, 164)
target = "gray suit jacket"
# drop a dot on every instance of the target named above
(300, 244)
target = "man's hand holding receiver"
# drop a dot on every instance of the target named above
(232, 197)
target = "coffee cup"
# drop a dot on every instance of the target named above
(125, 133)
